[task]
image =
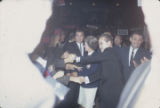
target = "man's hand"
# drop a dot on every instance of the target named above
(68, 74)
(70, 58)
(72, 67)
(50, 68)
(78, 68)
(82, 79)
(74, 74)
(65, 55)
(135, 64)
(59, 74)
(144, 59)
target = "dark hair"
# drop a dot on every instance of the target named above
(107, 37)
(137, 33)
(79, 30)
(71, 36)
(117, 36)
(92, 42)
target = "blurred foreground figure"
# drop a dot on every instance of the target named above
(142, 89)
(21, 84)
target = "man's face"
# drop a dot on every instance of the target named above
(136, 41)
(54, 40)
(86, 46)
(117, 40)
(62, 38)
(79, 36)
(102, 44)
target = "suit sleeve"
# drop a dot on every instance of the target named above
(95, 59)
(64, 80)
(59, 63)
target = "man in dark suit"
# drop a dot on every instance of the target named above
(142, 88)
(118, 41)
(131, 56)
(109, 75)
(117, 44)
(77, 48)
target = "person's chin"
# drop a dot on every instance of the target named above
(135, 47)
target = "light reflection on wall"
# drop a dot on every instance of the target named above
(21, 25)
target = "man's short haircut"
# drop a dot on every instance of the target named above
(92, 42)
(136, 33)
(107, 37)
(118, 36)
(79, 30)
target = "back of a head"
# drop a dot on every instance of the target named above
(92, 42)
(107, 37)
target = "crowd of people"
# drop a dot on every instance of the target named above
(100, 70)
(95, 68)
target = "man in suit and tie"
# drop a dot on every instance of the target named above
(142, 88)
(110, 75)
(131, 56)
(76, 47)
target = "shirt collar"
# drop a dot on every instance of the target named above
(135, 49)
(79, 43)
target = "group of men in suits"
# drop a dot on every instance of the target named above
(116, 66)
(110, 75)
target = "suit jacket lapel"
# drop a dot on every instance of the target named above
(127, 55)
(137, 53)
(138, 56)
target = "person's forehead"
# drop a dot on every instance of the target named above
(79, 34)
(137, 36)
(102, 39)
(117, 37)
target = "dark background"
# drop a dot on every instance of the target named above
(104, 13)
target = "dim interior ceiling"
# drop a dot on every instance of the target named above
(118, 13)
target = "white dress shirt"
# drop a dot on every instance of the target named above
(81, 48)
(130, 53)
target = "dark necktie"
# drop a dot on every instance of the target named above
(132, 57)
